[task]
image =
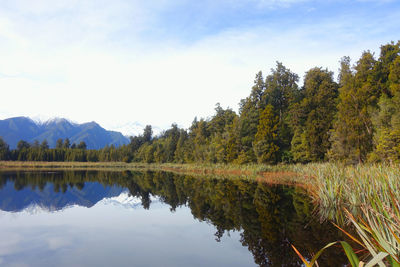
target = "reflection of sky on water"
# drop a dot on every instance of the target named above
(110, 234)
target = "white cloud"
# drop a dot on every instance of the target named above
(89, 60)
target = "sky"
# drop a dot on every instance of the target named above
(166, 61)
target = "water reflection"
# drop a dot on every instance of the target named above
(267, 218)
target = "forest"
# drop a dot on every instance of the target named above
(353, 118)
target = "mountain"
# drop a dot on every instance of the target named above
(50, 200)
(13, 130)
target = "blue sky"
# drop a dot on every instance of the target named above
(159, 62)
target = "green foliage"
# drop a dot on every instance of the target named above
(387, 135)
(4, 150)
(67, 143)
(282, 92)
(394, 76)
(299, 146)
(265, 146)
(81, 145)
(59, 143)
(318, 108)
(353, 130)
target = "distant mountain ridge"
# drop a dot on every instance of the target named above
(13, 130)
(48, 199)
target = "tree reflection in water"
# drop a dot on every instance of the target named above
(270, 217)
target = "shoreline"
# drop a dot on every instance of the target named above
(277, 174)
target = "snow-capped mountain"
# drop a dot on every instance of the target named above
(13, 130)
(125, 200)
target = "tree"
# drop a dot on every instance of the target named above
(352, 136)
(319, 108)
(171, 137)
(300, 146)
(394, 76)
(265, 146)
(386, 118)
(384, 67)
(181, 147)
(36, 144)
(44, 145)
(249, 111)
(67, 143)
(22, 144)
(387, 125)
(4, 150)
(82, 145)
(282, 92)
(147, 133)
(59, 143)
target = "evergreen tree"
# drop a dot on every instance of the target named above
(319, 106)
(300, 146)
(386, 118)
(353, 130)
(22, 144)
(81, 145)
(249, 111)
(147, 133)
(44, 145)
(265, 143)
(59, 143)
(181, 148)
(4, 150)
(171, 137)
(36, 144)
(394, 76)
(387, 125)
(281, 91)
(67, 143)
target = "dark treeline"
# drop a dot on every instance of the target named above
(355, 118)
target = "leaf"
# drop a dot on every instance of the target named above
(301, 257)
(393, 262)
(316, 256)
(377, 259)
(353, 259)
(349, 235)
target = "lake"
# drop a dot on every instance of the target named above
(92, 218)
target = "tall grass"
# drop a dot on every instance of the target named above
(368, 197)
(336, 187)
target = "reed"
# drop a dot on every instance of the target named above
(367, 196)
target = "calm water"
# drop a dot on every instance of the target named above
(155, 219)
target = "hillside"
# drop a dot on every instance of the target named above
(13, 130)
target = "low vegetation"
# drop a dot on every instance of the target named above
(367, 196)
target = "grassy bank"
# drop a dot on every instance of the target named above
(272, 174)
